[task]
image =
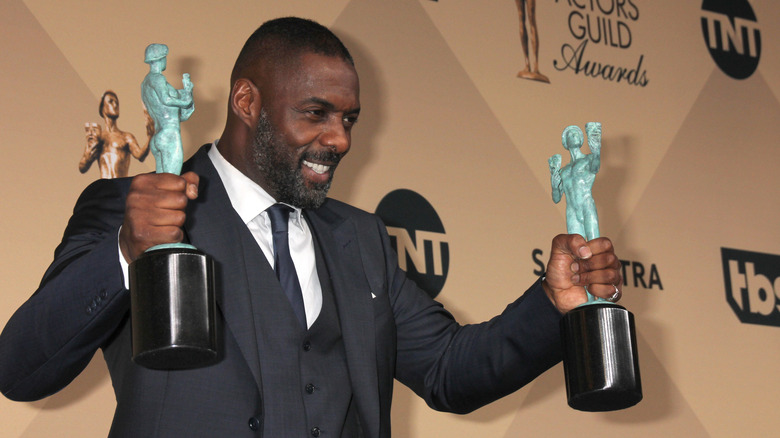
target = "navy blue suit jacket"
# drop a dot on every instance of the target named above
(391, 329)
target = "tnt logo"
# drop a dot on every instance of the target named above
(732, 35)
(417, 234)
(423, 254)
(753, 285)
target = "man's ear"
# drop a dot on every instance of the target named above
(245, 102)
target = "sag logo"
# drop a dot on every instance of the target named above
(417, 235)
(731, 32)
(752, 285)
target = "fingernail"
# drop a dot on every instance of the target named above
(575, 267)
(575, 279)
(585, 252)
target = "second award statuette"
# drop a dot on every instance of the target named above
(600, 358)
(173, 309)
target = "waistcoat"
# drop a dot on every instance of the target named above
(305, 382)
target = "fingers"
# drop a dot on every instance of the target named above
(192, 179)
(609, 292)
(155, 211)
(566, 250)
(576, 264)
(572, 245)
(600, 271)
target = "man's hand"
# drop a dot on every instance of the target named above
(574, 264)
(154, 211)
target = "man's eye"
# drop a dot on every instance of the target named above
(317, 113)
(349, 120)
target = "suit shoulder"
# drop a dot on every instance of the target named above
(347, 210)
(104, 189)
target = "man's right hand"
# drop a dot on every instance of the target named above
(155, 211)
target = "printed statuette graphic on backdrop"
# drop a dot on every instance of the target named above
(168, 108)
(110, 146)
(172, 298)
(529, 39)
(600, 360)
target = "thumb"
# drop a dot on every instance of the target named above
(193, 180)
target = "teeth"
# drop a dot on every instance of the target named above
(317, 168)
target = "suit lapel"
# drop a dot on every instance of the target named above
(338, 243)
(215, 228)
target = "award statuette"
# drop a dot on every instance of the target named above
(600, 358)
(173, 310)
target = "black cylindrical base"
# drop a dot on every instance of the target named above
(600, 358)
(173, 309)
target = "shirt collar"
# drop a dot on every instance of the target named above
(247, 197)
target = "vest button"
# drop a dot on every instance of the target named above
(306, 346)
(310, 388)
(315, 431)
(254, 423)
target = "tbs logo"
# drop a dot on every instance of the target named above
(752, 285)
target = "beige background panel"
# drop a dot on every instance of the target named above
(689, 166)
(713, 190)
(484, 36)
(768, 14)
(41, 98)
(664, 411)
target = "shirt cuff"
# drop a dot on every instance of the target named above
(122, 262)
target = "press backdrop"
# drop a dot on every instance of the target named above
(688, 93)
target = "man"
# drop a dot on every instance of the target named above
(168, 107)
(111, 147)
(293, 102)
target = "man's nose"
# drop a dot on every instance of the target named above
(336, 137)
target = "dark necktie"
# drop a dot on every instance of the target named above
(283, 263)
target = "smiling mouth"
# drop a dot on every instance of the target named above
(319, 169)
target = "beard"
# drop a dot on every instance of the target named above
(282, 170)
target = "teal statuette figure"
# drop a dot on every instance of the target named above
(600, 359)
(172, 298)
(168, 107)
(575, 180)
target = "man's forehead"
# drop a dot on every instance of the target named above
(314, 66)
(314, 76)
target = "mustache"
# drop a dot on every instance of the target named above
(323, 156)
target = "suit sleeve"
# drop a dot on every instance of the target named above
(79, 304)
(461, 368)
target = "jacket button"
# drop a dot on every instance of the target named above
(315, 431)
(254, 423)
(310, 388)
(306, 346)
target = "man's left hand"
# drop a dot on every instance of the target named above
(575, 264)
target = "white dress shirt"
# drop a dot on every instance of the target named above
(250, 202)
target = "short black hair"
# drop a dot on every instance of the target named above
(283, 39)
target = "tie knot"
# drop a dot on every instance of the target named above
(279, 215)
